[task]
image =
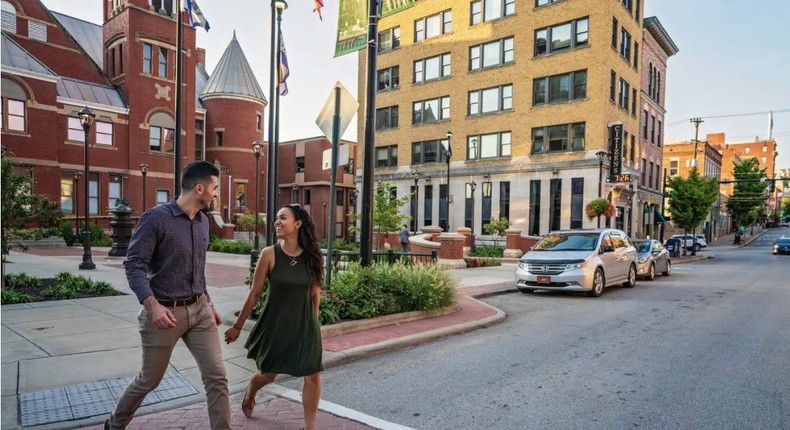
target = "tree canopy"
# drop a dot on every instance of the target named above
(748, 194)
(690, 199)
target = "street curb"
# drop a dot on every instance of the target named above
(752, 239)
(693, 259)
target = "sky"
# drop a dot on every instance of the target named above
(733, 62)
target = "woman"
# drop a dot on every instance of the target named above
(287, 337)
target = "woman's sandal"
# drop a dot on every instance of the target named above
(247, 403)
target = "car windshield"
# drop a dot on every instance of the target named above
(642, 246)
(568, 242)
(783, 241)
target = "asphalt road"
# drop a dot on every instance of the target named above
(706, 348)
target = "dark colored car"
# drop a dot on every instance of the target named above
(782, 245)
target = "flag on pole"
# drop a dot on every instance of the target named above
(317, 5)
(196, 18)
(283, 71)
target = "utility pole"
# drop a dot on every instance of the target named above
(696, 122)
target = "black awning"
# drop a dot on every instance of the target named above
(659, 217)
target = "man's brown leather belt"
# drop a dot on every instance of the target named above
(181, 302)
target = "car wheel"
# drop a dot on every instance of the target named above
(697, 247)
(599, 282)
(651, 274)
(668, 270)
(631, 282)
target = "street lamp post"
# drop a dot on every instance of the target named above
(472, 186)
(257, 146)
(77, 175)
(601, 155)
(324, 205)
(86, 119)
(278, 6)
(144, 171)
(416, 197)
(447, 197)
(295, 194)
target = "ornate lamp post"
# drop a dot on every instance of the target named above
(416, 177)
(257, 146)
(86, 119)
(472, 186)
(144, 171)
(447, 197)
(601, 155)
(295, 194)
(278, 6)
(76, 199)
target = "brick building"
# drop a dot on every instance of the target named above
(124, 70)
(528, 91)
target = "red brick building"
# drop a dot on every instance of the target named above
(53, 65)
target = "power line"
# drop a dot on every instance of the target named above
(735, 115)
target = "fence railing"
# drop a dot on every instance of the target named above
(341, 258)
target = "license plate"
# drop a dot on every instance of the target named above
(544, 279)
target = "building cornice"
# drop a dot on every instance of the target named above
(654, 27)
(28, 74)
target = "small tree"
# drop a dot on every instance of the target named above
(496, 227)
(690, 200)
(386, 211)
(749, 194)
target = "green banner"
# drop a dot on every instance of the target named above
(352, 26)
(389, 7)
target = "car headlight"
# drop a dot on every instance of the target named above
(522, 265)
(574, 266)
(641, 260)
(776, 247)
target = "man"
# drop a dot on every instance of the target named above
(404, 238)
(165, 267)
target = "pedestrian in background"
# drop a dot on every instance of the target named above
(287, 337)
(166, 269)
(404, 238)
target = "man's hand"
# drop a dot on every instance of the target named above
(217, 317)
(159, 316)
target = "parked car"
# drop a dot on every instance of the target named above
(782, 245)
(578, 260)
(701, 243)
(652, 257)
(783, 224)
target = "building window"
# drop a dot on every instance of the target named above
(612, 83)
(299, 164)
(485, 213)
(428, 205)
(577, 202)
(673, 167)
(561, 138)
(37, 31)
(387, 118)
(628, 5)
(114, 192)
(103, 133)
(652, 129)
(625, 45)
(163, 62)
(162, 6)
(389, 39)
(9, 17)
(199, 146)
(162, 197)
(562, 36)
(307, 196)
(387, 156)
(560, 88)
(504, 199)
(14, 118)
(491, 54)
(614, 33)
(93, 193)
(658, 177)
(443, 207)
(636, 55)
(429, 151)
(432, 26)
(488, 10)
(539, 3)
(388, 79)
(241, 194)
(650, 177)
(622, 101)
(427, 111)
(161, 139)
(644, 171)
(432, 68)
(534, 208)
(340, 196)
(492, 145)
(220, 137)
(555, 208)
(147, 55)
(658, 134)
(633, 148)
(67, 192)
(76, 132)
(637, 14)
(644, 124)
(295, 195)
(258, 122)
(489, 100)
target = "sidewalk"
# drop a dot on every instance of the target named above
(64, 363)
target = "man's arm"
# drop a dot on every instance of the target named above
(141, 249)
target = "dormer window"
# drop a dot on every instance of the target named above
(9, 17)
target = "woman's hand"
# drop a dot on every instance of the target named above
(231, 335)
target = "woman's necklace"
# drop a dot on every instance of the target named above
(293, 261)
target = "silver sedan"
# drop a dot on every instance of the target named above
(651, 257)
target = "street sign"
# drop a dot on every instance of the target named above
(342, 157)
(615, 148)
(348, 108)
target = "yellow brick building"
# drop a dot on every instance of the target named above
(527, 89)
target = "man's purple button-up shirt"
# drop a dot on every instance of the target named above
(167, 254)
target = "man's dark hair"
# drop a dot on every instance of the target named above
(197, 172)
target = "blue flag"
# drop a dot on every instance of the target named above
(196, 18)
(283, 72)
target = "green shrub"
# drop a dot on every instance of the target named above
(98, 236)
(68, 286)
(229, 246)
(21, 280)
(339, 244)
(66, 231)
(331, 307)
(11, 297)
(488, 251)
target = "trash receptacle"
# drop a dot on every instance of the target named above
(673, 246)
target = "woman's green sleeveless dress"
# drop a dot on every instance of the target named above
(287, 337)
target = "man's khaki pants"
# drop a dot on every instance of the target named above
(195, 324)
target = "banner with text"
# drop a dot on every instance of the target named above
(352, 26)
(390, 7)
(615, 149)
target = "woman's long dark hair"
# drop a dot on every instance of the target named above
(308, 243)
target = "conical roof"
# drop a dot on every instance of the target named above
(233, 76)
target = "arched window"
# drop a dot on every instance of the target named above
(658, 86)
(9, 17)
(650, 80)
(161, 135)
(14, 106)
